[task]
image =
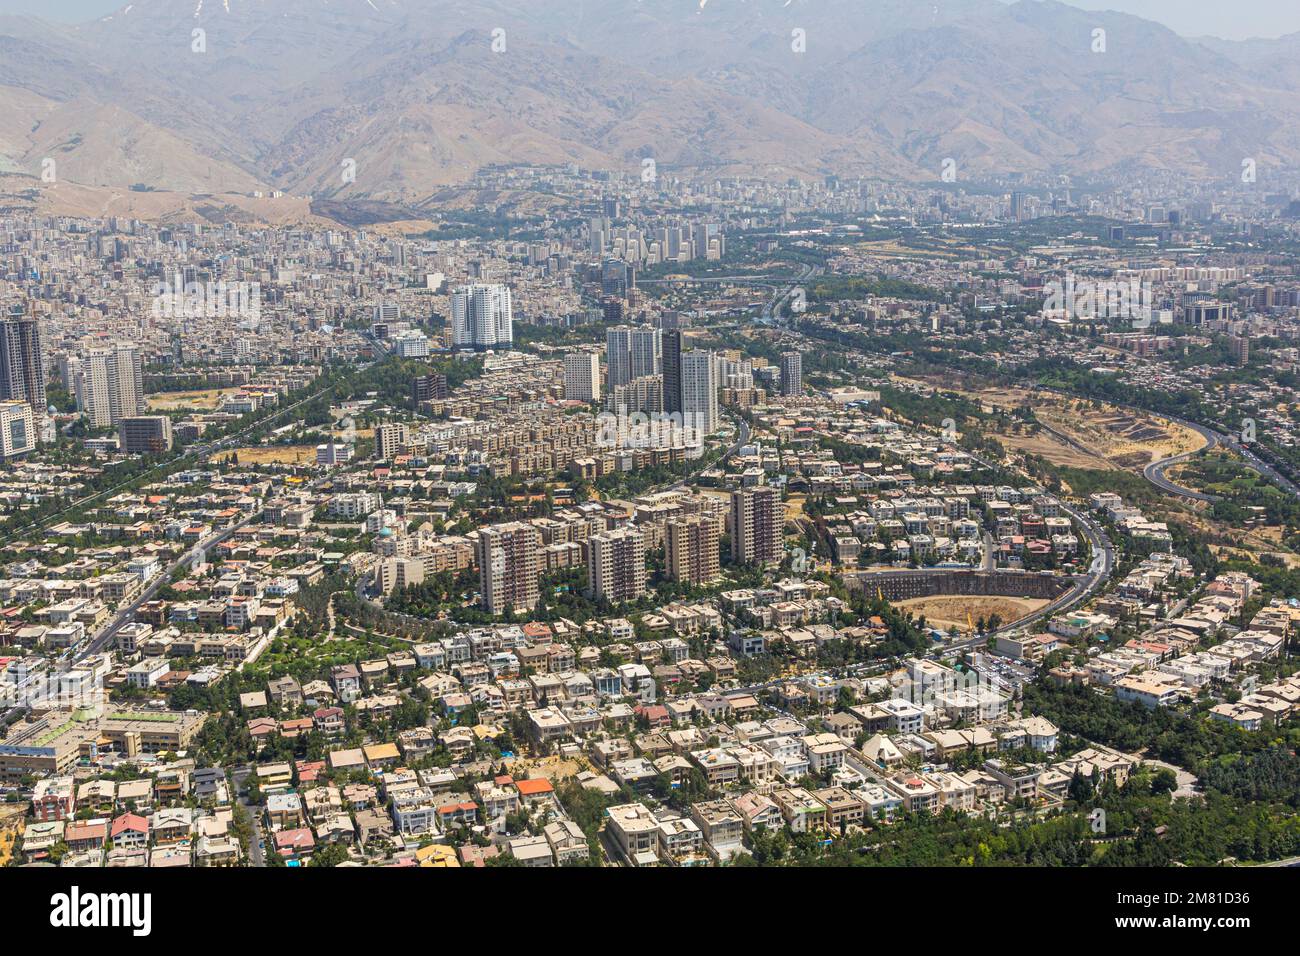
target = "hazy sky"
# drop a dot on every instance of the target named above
(62, 9)
(1230, 19)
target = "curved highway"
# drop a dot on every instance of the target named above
(1155, 472)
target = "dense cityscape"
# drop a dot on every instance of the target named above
(714, 524)
(411, 472)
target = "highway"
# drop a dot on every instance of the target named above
(196, 453)
(1155, 472)
(782, 290)
(742, 437)
(126, 612)
(772, 312)
(1085, 586)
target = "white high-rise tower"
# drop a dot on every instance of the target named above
(481, 317)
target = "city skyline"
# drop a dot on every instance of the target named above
(596, 435)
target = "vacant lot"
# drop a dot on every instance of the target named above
(554, 769)
(203, 400)
(949, 611)
(1056, 450)
(1081, 434)
(272, 455)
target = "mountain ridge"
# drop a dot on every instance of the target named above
(415, 95)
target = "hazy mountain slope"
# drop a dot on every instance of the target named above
(414, 93)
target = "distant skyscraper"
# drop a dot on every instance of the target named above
(582, 376)
(709, 241)
(1018, 209)
(699, 390)
(757, 521)
(109, 385)
(22, 361)
(618, 565)
(672, 363)
(613, 310)
(632, 352)
(791, 373)
(509, 561)
(481, 317)
(599, 229)
(693, 549)
(615, 277)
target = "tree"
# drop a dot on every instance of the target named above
(1081, 788)
(1164, 781)
(332, 854)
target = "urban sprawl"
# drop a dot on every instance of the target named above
(682, 523)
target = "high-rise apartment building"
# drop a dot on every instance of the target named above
(699, 390)
(509, 562)
(481, 317)
(109, 385)
(428, 388)
(757, 522)
(1239, 345)
(582, 376)
(791, 373)
(390, 437)
(672, 363)
(647, 352)
(618, 355)
(644, 394)
(633, 352)
(22, 361)
(693, 549)
(618, 565)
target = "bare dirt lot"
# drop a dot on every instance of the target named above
(272, 455)
(949, 611)
(554, 769)
(1075, 433)
(201, 400)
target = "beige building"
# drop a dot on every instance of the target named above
(109, 385)
(509, 562)
(693, 550)
(757, 522)
(618, 565)
(17, 429)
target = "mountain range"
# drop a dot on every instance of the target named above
(414, 95)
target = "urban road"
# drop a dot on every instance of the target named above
(196, 453)
(127, 612)
(1155, 472)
